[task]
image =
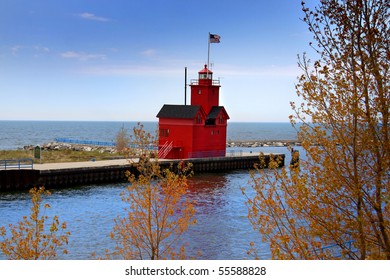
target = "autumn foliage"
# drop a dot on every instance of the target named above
(157, 214)
(121, 140)
(32, 238)
(336, 204)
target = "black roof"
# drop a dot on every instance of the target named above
(178, 111)
(215, 110)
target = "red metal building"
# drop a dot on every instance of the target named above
(197, 130)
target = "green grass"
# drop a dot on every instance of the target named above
(58, 156)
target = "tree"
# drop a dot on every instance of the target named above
(336, 205)
(31, 239)
(122, 141)
(157, 213)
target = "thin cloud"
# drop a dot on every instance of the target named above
(90, 16)
(130, 70)
(270, 71)
(15, 49)
(149, 52)
(29, 50)
(171, 67)
(82, 56)
(41, 49)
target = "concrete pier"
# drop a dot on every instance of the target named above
(60, 175)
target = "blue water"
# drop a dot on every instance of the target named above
(222, 230)
(16, 134)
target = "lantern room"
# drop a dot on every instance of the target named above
(205, 75)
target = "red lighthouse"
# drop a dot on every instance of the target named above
(196, 130)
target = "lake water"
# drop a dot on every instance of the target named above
(222, 230)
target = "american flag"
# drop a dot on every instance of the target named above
(214, 38)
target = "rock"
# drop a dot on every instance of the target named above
(88, 149)
(65, 147)
(77, 148)
(28, 148)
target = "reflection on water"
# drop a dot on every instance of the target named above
(222, 230)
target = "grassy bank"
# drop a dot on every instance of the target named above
(58, 156)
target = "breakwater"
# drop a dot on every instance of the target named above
(262, 143)
(76, 174)
(61, 146)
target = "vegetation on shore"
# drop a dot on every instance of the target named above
(73, 153)
(59, 156)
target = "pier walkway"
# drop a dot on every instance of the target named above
(67, 174)
(115, 162)
(81, 164)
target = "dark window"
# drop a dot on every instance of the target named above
(199, 119)
(164, 132)
(210, 122)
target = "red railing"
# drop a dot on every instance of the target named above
(164, 150)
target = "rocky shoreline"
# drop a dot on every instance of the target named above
(59, 146)
(262, 143)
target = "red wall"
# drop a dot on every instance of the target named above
(180, 132)
(193, 140)
(209, 139)
(208, 97)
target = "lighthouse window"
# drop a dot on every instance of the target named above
(205, 76)
(199, 120)
(164, 132)
(199, 91)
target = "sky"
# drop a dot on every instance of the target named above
(122, 60)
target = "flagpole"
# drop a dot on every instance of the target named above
(208, 51)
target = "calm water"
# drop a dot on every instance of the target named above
(222, 231)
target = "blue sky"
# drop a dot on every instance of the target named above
(121, 60)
